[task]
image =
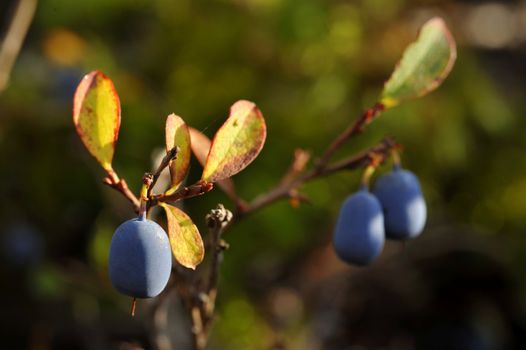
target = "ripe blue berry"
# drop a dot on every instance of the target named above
(402, 202)
(359, 235)
(140, 258)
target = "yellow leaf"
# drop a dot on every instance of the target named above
(97, 116)
(185, 240)
(237, 143)
(177, 135)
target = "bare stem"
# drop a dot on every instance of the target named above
(377, 153)
(382, 150)
(194, 190)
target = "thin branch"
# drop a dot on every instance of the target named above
(14, 38)
(364, 158)
(287, 190)
(194, 190)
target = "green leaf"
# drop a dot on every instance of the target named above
(177, 135)
(201, 147)
(185, 240)
(237, 143)
(97, 116)
(424, 65)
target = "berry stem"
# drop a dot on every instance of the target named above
(367, 174)
(396, 158)
(133, 306)
(147, 181)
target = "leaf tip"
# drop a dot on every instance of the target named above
(440, 23)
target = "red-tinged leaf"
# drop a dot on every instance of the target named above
(237, 143)
(185, 240)
(426, 63)
(177, 135)
(200, 147)
(97, 116)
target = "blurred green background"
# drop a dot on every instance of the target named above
(311, 67)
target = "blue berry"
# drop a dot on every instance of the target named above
(140, 260)
(359, 235)
(402, 202)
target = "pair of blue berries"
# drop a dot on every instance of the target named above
(396, 209)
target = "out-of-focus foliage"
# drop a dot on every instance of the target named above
(311, 67)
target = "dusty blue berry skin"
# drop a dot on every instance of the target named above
(403, 204)
(359, 235)
(140, 258)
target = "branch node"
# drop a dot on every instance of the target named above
(218, 217)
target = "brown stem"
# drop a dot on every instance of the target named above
(382, 150)
(194, 190)
(377, 153)
(121, 186)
